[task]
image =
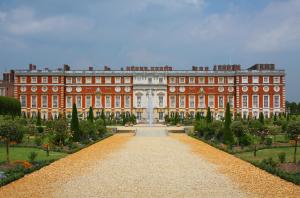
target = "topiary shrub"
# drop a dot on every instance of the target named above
(282, 157)
(268, 141)
(38, 141)
(40, 129)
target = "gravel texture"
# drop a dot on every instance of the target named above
(150, 164)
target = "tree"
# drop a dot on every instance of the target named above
(91, 115)
(293, 130)
(100, 127)
(87, 129)
(102, 116)
(10, 106)
(261, 118)
(208, 116)
(60, 132)
(75, 124)
(39, 120)
(197, 116)
(228, 135)
(8, 132)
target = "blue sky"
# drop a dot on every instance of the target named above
(180, 33)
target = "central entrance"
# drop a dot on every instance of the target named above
(150, 107)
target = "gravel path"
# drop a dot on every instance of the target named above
(150, 164)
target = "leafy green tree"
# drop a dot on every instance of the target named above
(103, 117)
(59, 132)
(238, 129)
(197, 116)
(228, 135)
(10, 106)
(39, 120)
(208, 116)
(91, 115)
(261, 118)
(293, 130)
(100, 127)
(87, 130)
(8, 132)
(75, 124)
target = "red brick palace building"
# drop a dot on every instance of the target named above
(161, 90)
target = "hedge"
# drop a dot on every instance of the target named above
(10, 106)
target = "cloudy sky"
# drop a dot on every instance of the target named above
(180, 33)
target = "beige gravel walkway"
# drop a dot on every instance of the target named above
(150, 164)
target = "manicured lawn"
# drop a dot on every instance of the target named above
(22, 153)
(272, 152)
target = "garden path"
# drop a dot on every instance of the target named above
(150, 164)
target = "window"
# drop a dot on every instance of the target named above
(23, 101)
(33, 102)
(54, 101)
(266, 101)
(138, 100)
(201, 80)
(44, 101)
(276, 101)
(244, 79)
(44, 79)
(118, 114)
(78, 80)
(266, 79)
(182, 102)
(88, 101)
(182, 80)
(149, 80)
(245, 101)
(181, 114)
(172, 101)
(127, 101)
(211, 101)
(33, 79)
(117, 80)
(161, 115)
(201, 101)
(192, 102)
(276, 79)
(69, 80)
(192, 114)
(69, 102)
(139, 115)
(107, 102)
(160, 101)
(55, 79)
(108, 80)
(88, 80)
(160, 80)
(221, 80)
(23, 79)
(98, 80)
(127, 80)
(118, 102)
(221, 102)
(230, 80)
(172, 80)
(255, 79)
(78, 101)
(98, 101)
(255, 101)
(192, 80)
(211, 80)
(231, 101)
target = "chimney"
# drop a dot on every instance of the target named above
(66, 67)
(91, 68)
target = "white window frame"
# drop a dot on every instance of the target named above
(160, 101)
(78, 80)
(231, 101)
(55, 79)
(201, 101)
(221, 105)
(244, 79)
(253, 104)
(69, 105)
(181, 101)
(79, 101)
(120, 101)
(127, 80)
(172, 80)
(221, 80)
(192, 101)
(245, 104)
(264, 101)
(230, 80)
(201, 80)
(127, 101)
(107, 101)
(211, 80)
(211, 101)
(44, 105)
(33, 79)
(118, 80)
(44, 79)
(33, 105)
(69, 80)
(53, 97)
(88, 80)
(274, 105)
(98, 79)
(266, 79)
(192, 80)
(88, 101)
(23, 100)
(23, 79)
(108, 80)
(276, 79)
(255, 79)
(98, 101)
(181, 80)
(173, 103)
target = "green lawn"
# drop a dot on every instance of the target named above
(22, 153)
(272, 152)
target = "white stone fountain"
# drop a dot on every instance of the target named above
(150, 108)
